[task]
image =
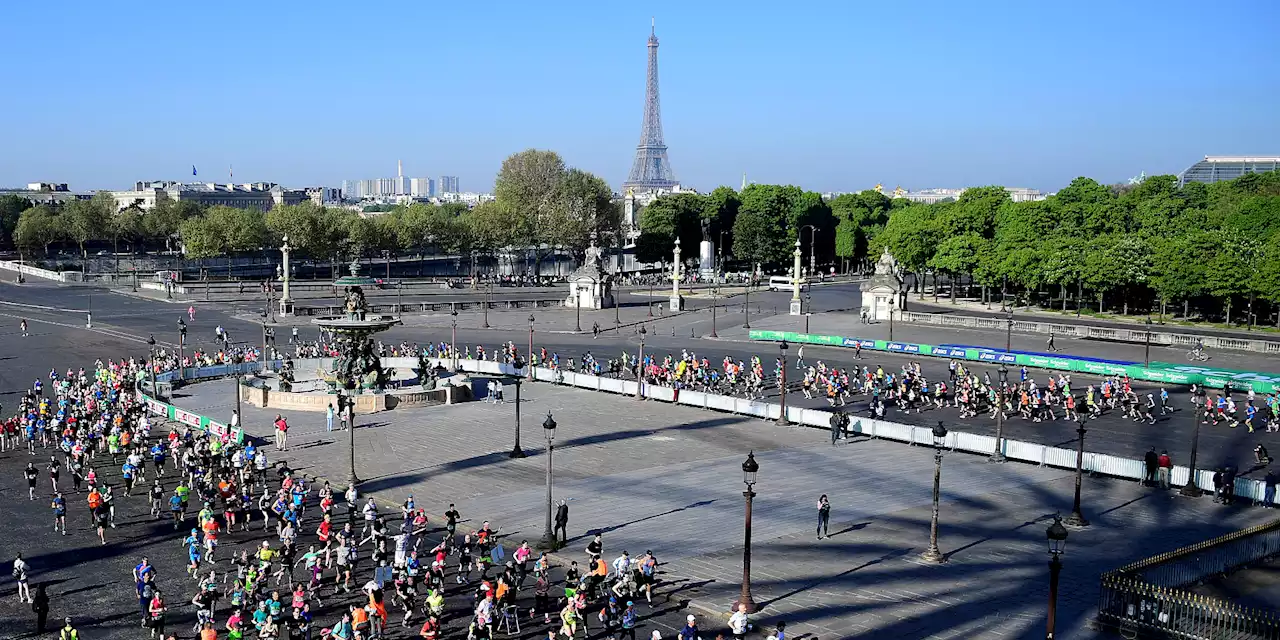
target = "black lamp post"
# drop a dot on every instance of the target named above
(1077, 519)
(577, 308)
(1057, 535)
(1008, 331)
(399, 305)
(1147, 350)
(998, 456)
(531, 346)
(640, 367)
(932, 554)
(453, 340)
(782, 386)
(549, 430)
(151, 366)
(749, 469)
(488, 300)
(386, 258)
(352, 478)
(746, 302)
(715, 293)
(518, 363)
(1192, 489)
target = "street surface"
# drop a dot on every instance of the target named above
(654, 476)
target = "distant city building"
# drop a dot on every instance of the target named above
(1219, 168)
(324, 196)
(422, 187)
(447, 184)
(258, 195)
(46, 193)
(468, 198)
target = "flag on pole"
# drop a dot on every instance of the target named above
(230, 172)
(193, 170)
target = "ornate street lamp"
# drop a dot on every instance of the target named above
(1192, 489)
(749, 469)
(932, 554)
(1057, 535)
(640, 367)
(531, 346)
(1076, 519)
(998, 456)
(548, 430)
(453, 340)
(782, 385)
(518, 363)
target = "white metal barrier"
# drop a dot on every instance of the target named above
(1105, 464)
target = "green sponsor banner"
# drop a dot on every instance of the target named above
(1164, 372)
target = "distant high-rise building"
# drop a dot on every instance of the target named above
(651, 169)
(422, 187)
(448, 184)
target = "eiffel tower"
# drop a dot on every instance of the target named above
(651, 169)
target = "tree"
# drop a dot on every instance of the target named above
(88, 220)
(37, 228)
(767, 209)
(162, 222)
(958, 254)
(1230, 273)
(125, 225)
(911, 238)
(720, 209)
(11, 207)
(666, 218)
(1266, 280)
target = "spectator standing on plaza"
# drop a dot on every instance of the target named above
(282, 432)
(328, 417)
(1165, 470)
(1269, 490)
(40, 605)
(561, 531)
(1152, 462)
(824, 515)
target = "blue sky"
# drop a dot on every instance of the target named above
(825, 95)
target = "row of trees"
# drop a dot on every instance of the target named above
(540, 203)
(1211, 247)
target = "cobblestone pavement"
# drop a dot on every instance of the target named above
(667, 478)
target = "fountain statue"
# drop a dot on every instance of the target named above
(358, 367)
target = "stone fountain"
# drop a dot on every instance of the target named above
(358, 369)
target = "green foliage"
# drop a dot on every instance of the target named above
(11, 207)
(37, 228)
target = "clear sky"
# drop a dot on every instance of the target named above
(826, 95)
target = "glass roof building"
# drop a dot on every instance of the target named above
(1219, 168)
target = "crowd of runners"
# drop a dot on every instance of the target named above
(270, 554)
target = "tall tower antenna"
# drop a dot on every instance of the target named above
(651, 169)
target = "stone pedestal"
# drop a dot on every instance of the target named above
(796, 308)
(706, 260)
(590, 292)
(286, 307)
(676, 303)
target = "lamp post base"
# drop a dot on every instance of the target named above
(548, 542)
(998, 457)
(1190, 490)
(517, 452)
(1076, 520)
(750, 602)
(933, 556)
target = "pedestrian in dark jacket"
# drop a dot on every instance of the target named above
(1152, 461)
(40, 605)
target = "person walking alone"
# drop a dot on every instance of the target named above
(824, 516)
(40, 605)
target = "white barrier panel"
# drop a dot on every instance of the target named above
(629, 387)
(692, 398)
(815, 418)
(1116, 466)
(894, 431)
(721, 403)
(1025, 451)
(586, 381)
(795, 414)
(1059, 457)
(665, 394)
(974, 443)
(612, 385)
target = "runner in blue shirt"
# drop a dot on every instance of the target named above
(59, 506)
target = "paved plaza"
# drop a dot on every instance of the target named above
(660, 477)
(655, 476)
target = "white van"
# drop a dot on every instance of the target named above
(783, 283)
